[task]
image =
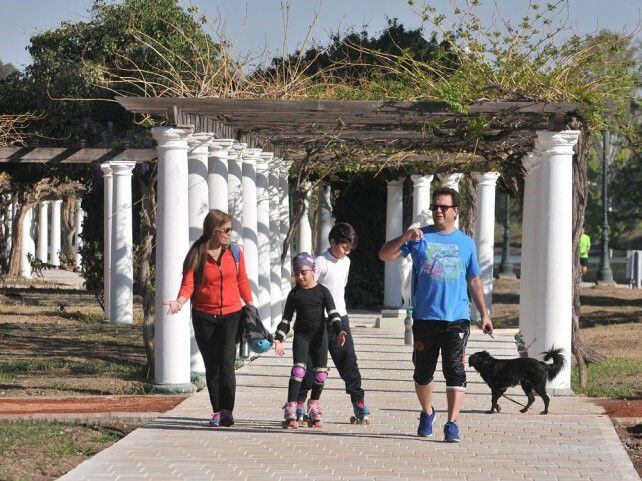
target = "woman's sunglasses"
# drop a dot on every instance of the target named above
(225, 231)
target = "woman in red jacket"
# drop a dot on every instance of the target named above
(215, 283)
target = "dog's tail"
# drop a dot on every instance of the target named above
(559, 361)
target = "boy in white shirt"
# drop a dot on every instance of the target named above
(332, 268)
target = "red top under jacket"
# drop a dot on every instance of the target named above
(222, 290)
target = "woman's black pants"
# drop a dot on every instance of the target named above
(216, 339)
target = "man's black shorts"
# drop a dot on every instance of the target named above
(449, 337)
(584, 261)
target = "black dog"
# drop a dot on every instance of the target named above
(531, 374)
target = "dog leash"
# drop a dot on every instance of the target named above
(516, 402)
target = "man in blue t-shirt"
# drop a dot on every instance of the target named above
(444, 268)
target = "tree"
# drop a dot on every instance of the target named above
(6, 69)
(77, 69)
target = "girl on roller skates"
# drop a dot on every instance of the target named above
(310, 301)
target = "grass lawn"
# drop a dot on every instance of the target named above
(55, 343)
(43, 451)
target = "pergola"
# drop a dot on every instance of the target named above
(235, 155)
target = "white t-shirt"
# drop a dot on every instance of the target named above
(333, 274)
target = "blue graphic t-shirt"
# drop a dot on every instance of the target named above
(442, 264)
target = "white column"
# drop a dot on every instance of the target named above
(198, 148)
(122, 252)
(529, 254)
(304, 234)
(394, 228)
(421, 199)
(26, 244)
(263, 237)
(276, 296)
(250, 221)
(217, 174)
(108, 196)
(485, 234)
(235, 190)
(197, 183)
(452, 181)
(284, 225)
(43, 231)
(56, 234)
(554, 308)
(171, 333)
(324, 217)
(80, 216)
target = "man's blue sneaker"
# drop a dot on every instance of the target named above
(451, 432)
(425, 423)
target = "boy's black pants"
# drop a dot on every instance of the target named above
(216, 339)
(345, 360)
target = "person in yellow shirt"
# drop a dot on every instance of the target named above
(584, 248)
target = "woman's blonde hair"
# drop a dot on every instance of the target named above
(197, 255)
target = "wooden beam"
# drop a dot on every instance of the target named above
(57, 155)
(213, 106)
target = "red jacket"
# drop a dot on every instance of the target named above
(222, 289)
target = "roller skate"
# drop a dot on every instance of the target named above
(361, 413)
(301, 413)
(289, 416)
(315, 414)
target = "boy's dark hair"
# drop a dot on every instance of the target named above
(454, 195)
(344, 232)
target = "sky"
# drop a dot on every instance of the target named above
(256, 26)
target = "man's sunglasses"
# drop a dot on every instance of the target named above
(442, 208)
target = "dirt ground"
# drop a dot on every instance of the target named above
(94, 404)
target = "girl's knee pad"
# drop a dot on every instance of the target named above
(298, 372)
(320, 376)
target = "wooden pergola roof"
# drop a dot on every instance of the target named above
(413, 126)
(288, 127)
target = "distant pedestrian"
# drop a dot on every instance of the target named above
(584, 249)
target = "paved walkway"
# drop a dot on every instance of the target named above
(574, 442)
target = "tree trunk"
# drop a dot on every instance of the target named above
(19, 214)
(468, 211)
(583, 354)
(68, 232)
(146, 176)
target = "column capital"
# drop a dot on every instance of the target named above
(530, 160)
(251, 156)
(451, 179)
(557, 142)
(198, 144)
(45, 202)
(394, 183)
(221, 146)
(106, 168)
(239, 147)
(171, 137)
(422, 180)
(267, 156)
(487, 178)
(56, 202)
(122, 168)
